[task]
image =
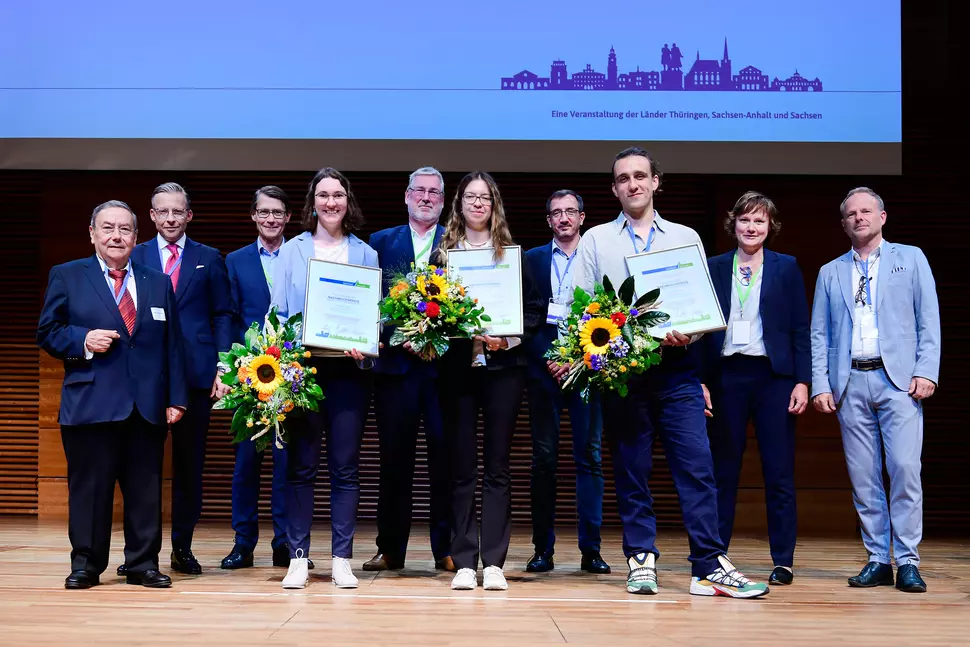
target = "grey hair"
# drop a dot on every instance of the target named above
(427, 170)
(862, 189)
(172, 187)
(111, 204)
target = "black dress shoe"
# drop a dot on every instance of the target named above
(81, 580)
(183, 561)
(122, 570)
(540, 563)
(238, 558)
(381, 562)
(151, 578)
(908, 579)
(873, 574)
(593, 563)
(781, 575)
(281, 557)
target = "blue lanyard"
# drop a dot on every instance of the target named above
(124, 286)
(633, 238)
(864, 270)
(565, 272)
(178, 261)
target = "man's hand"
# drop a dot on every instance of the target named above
(824, 402)
(356, 354)
(493, 343)
(921, 388)
(219, 390)
(799, 399)
(674, 338)
(98, 340)
(708, 407)
(174, 414)
(557, 371)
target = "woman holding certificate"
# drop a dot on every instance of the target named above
(758, 370)
(330, 214)
(488, 374)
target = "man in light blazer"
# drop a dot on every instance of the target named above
(875, 358)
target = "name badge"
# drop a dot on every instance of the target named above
(557, 312)
(158, 314)
(741, 333)
(868, 323)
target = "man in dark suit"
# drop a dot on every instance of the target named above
(250, 275)
(202, 292)
(552, 264)
(406, 392)
(115, 325)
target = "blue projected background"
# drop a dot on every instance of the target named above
(500, 70)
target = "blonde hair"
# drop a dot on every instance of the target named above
(498, 224)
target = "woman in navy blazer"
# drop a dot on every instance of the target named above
(330, 214)
(758, 370)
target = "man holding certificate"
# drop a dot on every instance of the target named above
(666, 400)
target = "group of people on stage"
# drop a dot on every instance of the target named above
(139, 328)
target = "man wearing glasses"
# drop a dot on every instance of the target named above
(405, 393)
(202, 293)
(553, 264)
(875, 358)
(250, 275)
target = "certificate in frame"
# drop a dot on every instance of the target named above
(496, 285)
(341, 310)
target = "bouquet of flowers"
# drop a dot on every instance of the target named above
(605, 338)
(427, 309)
(268, 380)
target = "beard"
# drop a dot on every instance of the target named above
(426, 218)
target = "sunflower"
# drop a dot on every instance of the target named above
(596, 334)
(266, 375)
(434, 287)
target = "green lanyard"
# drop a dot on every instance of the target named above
(424, 250)
(744, 291)
(269, 277)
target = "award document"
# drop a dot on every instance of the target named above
(497, 286)
(686, 291)
(341, 310)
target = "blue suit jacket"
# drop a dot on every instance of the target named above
(250, 292)
(143, 370)
(908, 318)
(539, 260)
(204, 301)
(784, 315)
(396, 253)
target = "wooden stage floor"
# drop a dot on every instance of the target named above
(416, 606)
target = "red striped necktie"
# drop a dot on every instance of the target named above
(172, 266)
(126, 305)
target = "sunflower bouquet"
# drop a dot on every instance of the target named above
(605, 338)
(428, 309)
(268, 380)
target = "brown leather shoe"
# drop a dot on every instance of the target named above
(381, 562)
(445, 564)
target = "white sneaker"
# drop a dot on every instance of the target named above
(727, 581)
(343, 576)
(494, 579)
(465, 580)
(298, 574)
(643, 574)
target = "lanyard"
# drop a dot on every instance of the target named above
(268, 275)
(178, 261)
(565, 272)
(744, 291)
(124, 287)
(424, 250)
(633, 238)
(864, 270)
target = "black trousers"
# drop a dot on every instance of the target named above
(129, 452)
(498, 394)
(188, 457)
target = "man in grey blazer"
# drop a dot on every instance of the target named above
(875, 358)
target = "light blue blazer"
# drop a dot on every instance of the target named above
(908, 317)
(290, 270)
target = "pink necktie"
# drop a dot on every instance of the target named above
(173, 263)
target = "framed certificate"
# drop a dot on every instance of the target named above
(341, 310)
(496, 285)
(686, 291)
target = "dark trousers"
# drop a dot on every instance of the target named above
(498, 393)
(748, 390)
(188, 458)
(343, 411)
(669, 404)
(245, 495)
(400, 404)
(129, 452)
(546, 402)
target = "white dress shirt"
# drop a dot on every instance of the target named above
(750, 313)
(131, 286)
(164, 253)
(422, 245)
(865, 339)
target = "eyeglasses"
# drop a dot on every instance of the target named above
(572, 213)
(337, 197)
(433, 194)
(471, 198)
(860, 294)
(178, 214)
(124, 230)
(265, 214)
